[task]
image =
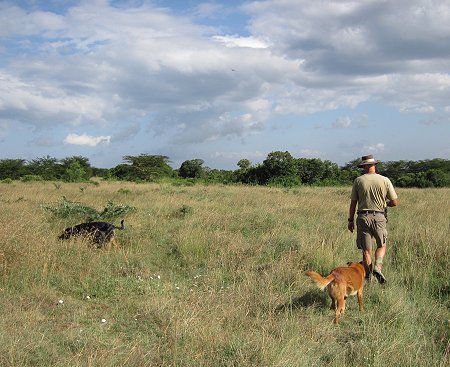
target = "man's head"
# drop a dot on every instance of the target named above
(367, 161)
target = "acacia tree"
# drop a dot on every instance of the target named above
(148, 167)
(12, 168)
(313, 170)
(123, 172)
(75, 172)
(244, 164)
(192, 168)
(47, 167)
(243, 174)
(279, 167)
(76, 168)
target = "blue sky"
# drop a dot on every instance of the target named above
(224, 80)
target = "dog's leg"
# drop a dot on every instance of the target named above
(360, 299)
(336, 315)
(340, 309)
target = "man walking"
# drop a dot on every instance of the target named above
(372, 193)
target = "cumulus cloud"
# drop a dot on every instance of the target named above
(84, 139)
(342, 122)
(360, 49)
(236, 41)
(43, 103)
(375, 148)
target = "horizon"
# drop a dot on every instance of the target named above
(230, 169)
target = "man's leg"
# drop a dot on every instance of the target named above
(379, 256)
(367, 262)
(364, 242)
(380, 234)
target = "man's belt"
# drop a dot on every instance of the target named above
(369, 212)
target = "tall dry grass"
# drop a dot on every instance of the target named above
(213, 276)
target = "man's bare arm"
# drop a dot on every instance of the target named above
(352, 209)
(351, 214)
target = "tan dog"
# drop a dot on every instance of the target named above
(341, 283)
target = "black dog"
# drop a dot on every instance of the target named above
(99, 232)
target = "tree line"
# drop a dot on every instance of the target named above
(278, 169)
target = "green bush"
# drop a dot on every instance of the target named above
(30, 178)
(76, 211)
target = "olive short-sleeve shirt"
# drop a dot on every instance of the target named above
(371, 191)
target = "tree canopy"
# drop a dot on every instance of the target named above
(279, 168)
(192, 168)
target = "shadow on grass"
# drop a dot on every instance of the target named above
(309, 299)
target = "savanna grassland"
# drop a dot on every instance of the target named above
(213, 276)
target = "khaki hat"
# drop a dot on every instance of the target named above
(367, 160)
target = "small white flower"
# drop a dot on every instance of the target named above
(60, 301)
(159, 276)
(88, 297)
(103, 321)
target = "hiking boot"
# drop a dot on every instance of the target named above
(379, 275)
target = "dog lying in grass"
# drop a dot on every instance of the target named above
(342, 282)
(99, 233)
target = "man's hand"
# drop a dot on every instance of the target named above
(392, 203)
(351, 226)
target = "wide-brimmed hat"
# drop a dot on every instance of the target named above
(367, 160)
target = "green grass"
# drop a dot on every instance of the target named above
(213, 276)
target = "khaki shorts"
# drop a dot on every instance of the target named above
(370, 226)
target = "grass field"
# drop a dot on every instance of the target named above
(213, 276)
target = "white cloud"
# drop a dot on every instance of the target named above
(376, 148)
(302, 57)
(15, 20)
(43, 103)
(92, 141)
(236, 41)
(342, 122)
(346, 43)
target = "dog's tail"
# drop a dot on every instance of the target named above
(121, 225)
(319, 280)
